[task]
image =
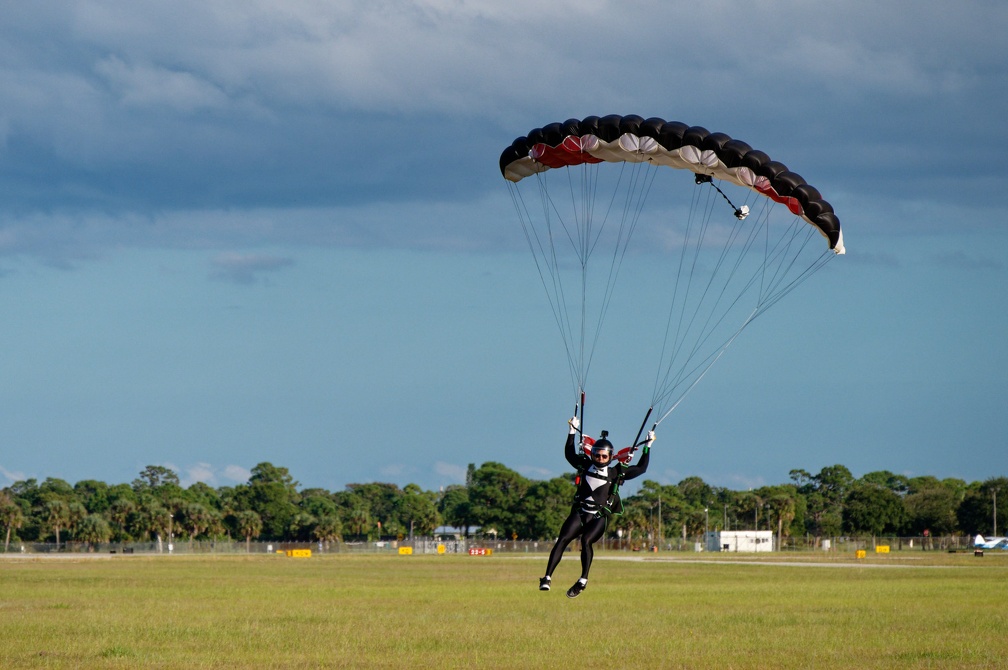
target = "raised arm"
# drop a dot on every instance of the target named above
(570, 452)
(641, 466)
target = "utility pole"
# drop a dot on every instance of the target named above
(706, 524)
(660, 536)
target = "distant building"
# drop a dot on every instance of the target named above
(454, 533)
(740, 540)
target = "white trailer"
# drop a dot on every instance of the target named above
(740, 540)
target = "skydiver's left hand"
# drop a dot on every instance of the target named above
(650, 439)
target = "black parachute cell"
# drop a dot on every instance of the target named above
(755, 160)
(652, 128)
(771, 169)
(630, 124)
(694, 136)
(786, 182)
(715, 142)
(830, 225)
(553, 134)
(815, 208)
(806, 193)
(672, 135)
(518, 149)
(609, 128)
(536, 137)
(589, 126)
(571, 127)
(732, 153)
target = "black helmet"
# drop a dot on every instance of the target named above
(602, 445)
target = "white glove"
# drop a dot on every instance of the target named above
(650, 439)
(574, 424)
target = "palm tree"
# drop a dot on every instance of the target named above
(120, 513)
(301, 525)
(77, 514)
(328, 529)
(152, 519)
(11, 516)
(57, 517)
(197, 519)
(783, 505)
(749, 505)
(93, 529)
(360, 520)
(250, 525)
(215, 524)
(633, 517)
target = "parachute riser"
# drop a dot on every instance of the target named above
(637, 442)
(581, 418)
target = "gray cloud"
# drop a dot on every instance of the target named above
(129, 114)
(246, 268)
(961, 261)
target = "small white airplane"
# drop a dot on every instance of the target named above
(990, 543)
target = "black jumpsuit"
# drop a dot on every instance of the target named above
(588, 518)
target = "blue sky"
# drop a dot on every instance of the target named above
(234, 232)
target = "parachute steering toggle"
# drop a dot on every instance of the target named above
(740, 212)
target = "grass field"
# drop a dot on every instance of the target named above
(660, 611)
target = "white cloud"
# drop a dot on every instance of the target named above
(536, 472)
(455, 474)
(236, 473)
(200, 472)
(211, 475)
(11, 475)
(393, 471)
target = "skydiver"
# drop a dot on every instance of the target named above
(597, 478)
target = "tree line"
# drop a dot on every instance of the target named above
(495, 501)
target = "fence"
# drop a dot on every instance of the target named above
(432, 545)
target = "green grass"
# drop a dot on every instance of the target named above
(666, 611)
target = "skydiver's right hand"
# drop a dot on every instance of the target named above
(574, 425)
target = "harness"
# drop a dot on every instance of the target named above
(614, 503)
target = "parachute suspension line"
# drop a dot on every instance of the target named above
(581, 198)
(692, 246)
(775, 276)
(575, 353)
(583, 234)
(685, 372)
(583, 184)
(587, 234)
(639, 185)
(703, 366)
(582, 230)
(546, 265)
(672, 303)
(711, 360)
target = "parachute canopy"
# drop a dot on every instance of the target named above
(617, 138)
(580, 187)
